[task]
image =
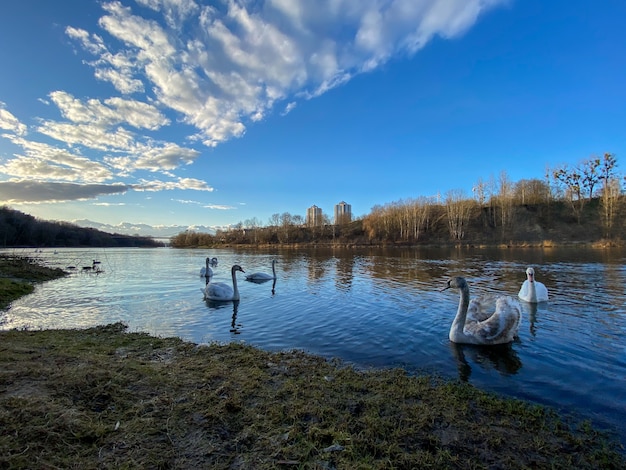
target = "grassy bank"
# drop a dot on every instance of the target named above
(105, 398)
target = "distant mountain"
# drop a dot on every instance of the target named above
(145, 230)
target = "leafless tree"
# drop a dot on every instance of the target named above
(458, 211)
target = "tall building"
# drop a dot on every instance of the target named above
(343, 213)
(314, 216)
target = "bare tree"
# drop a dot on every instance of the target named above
(611, 191)
(610, 204)
(531, 191)
(571, 182)
(458, 211)
(504, 201)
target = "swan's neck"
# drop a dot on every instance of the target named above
(456, 330)
(274, 268)
(532, 290)
(235, 289)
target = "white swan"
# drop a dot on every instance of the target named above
(206, 271)
(484, 320)
(263, 276)
(214, 261)
(221, 290)
(533, 291)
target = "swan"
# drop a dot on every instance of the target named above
(221, 290)
(213, 261)
(263, 276)
(533, 291)
(206, 271)
(484, 320)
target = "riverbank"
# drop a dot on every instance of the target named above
(105, 398)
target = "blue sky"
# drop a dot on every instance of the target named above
(209, 113)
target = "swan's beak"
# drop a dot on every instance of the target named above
(445, 288)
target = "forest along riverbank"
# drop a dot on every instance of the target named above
(104, 397)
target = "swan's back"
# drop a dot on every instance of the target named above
(218, 291)
(500, 326)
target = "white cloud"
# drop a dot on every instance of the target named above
(180, 183)
(225, 65)
(219, 207)
(10, 122)
(109, 113)
(46, 162)
(166, 157)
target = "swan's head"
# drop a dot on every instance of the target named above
(237, 268)
(455, 282)
(530, 272)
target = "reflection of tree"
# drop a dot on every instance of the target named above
(345, 267)
(502, 358)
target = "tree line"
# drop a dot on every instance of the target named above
(584, 202)
(18, 230)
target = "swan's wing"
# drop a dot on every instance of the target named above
(524, 291)
(219, 290)
(481, 308)
(542, 292)
(501, 327)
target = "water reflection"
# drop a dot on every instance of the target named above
(217, 305)
(234, 326)
(263, 281)
(501, 357)
(529, 310)
(345, 272)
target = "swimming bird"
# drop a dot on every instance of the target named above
(214, 261)
(206, 271)
(533, 291)
(221, 290)
(484, 320)
(263, 276)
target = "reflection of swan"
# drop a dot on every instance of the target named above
(532, 290)
(234, 326)
(221, 290)
(530, 310)
(478, 322)
(501, 357)
(206, 271)
(263, 276)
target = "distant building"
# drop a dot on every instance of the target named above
(343, 213)
(314, 216)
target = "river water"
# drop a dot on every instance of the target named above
(371, 308)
